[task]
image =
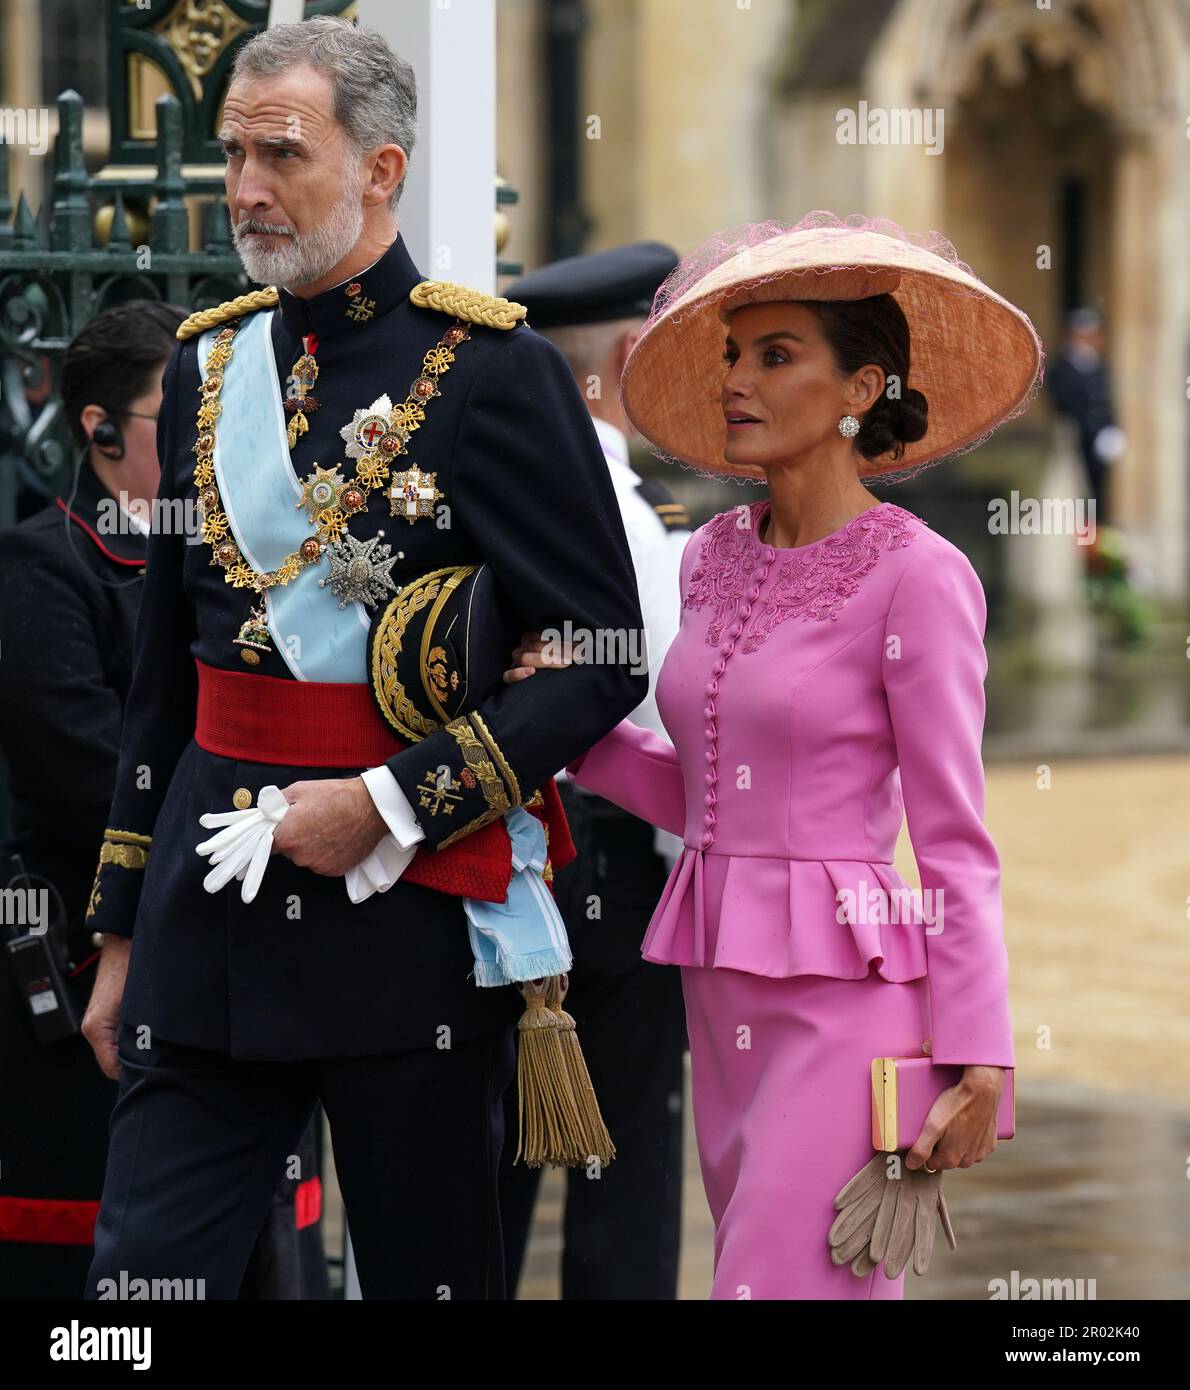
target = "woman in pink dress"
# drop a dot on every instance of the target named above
(827, 676)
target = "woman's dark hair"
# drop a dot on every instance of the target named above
(873, 332)
(114, 358)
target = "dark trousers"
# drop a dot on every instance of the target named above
(621, 1227)
(288, 1260)
(199, 1141)
(55, 1111)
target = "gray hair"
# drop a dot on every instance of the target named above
(374, 90)
(585, 346)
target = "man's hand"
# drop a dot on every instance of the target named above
(101, 1022)
(331, 825)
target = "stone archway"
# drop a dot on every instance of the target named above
(1102, 87)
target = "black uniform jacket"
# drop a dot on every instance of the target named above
(301, 971)
(70, 583)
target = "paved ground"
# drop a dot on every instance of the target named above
(1096, 883)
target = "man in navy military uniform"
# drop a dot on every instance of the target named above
(621, 1228)
(354, 429)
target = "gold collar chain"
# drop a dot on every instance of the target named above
(330, 523)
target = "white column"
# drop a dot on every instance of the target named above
(285, 12)
(447, 211)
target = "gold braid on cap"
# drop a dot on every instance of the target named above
(229, 309)
(473, 306)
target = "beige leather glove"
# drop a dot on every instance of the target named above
(905, 1222)
(887, 1219)
(858, 1204)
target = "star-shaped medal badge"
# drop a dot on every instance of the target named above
(321, 490)
(413, 494)
(371, 430)
(360, 570)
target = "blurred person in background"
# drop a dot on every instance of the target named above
(1080, 386)
(621, 1226)
(72, 577)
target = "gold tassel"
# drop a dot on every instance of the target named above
(592, 1138)
(547, 1112)
(558, 1115)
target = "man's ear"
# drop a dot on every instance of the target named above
(102, 431)
(386, 169)
(624, 345)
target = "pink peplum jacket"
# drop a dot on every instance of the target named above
(813, 695)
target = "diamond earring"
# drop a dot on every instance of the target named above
(849, 426)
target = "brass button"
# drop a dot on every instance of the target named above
(241, 798)
(250, 657)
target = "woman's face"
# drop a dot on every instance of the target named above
(782, 394)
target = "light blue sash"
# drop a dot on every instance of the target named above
(524, 937)
(318, 640)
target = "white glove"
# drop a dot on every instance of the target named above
(1109, 444)
(244, 843)
(242, 847)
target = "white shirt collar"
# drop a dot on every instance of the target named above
(615, 446)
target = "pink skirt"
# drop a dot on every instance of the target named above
(781, 1077)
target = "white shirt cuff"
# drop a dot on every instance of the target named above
(393, 805)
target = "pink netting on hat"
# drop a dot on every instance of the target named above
(724, 245)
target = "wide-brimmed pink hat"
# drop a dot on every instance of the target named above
(976, 357)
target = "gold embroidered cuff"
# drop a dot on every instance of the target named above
(124, 848)
(476, 759)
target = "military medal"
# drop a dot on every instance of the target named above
(360, 570)
(413, 494)
(372, 432)
(321, 490)
(298, 386)
(253, 636)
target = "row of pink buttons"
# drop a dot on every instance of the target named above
(742, 611)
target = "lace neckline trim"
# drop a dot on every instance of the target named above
(813, 581)
(761, 511)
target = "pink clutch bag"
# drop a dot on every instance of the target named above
(904, 1090)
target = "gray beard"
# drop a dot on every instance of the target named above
(305, 256)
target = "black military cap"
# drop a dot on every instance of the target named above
(440, 648)
(616, 284)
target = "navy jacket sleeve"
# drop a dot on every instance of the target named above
(53, 689)
(532, 488)
(162, 699)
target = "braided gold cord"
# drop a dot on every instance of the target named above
(230, 308)
(473, 306)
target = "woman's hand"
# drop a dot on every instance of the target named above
(533, 654)
(960, 1129)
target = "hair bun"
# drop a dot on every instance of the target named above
(910, 416)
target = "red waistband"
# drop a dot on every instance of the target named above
(267, 719)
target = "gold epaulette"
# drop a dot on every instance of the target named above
(229, 309)
(472, 306)
(673, 516)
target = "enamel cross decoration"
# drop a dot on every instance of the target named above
(413, 494)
